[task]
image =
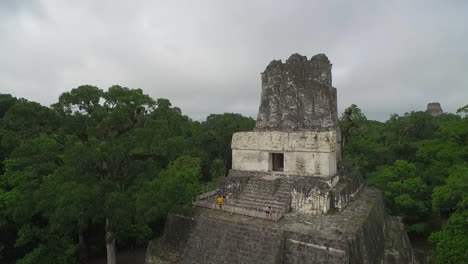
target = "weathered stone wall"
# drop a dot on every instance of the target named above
(233, 185)
(350, 184)
(397, 245)
(367, 244)
(308, 141)
(303, 248)
(265, 187)
(312, 195)
(361, 242)
(297, 163)
(251, 160)
(305, 153)
(313, 201)
(177, 230)
(222, 240)
(298, 95)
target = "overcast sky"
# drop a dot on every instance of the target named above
(207, 56)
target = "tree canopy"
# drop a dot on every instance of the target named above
(420, 163)
(116, 161)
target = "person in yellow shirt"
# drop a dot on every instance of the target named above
(220, 201)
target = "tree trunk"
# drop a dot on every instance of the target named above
(110, 244)
(82, 248)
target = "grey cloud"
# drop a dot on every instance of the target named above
(206, 56)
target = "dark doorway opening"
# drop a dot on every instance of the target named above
(277, 160)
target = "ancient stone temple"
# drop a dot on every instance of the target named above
(288, 197)
(434, 109)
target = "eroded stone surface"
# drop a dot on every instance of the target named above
(158, 253)
(298, 95)
(361, 233)
(285, 141)
(434, 109)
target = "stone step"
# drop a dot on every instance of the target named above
(255, 189)
(288, 192)
(255, 184)
(258, 204)
(262, 197)
(284, 196)
(255, 194)
(259, 210)
(250, 210)
(250, 189)
(261, 200)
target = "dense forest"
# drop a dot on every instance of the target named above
(100, 170)
(420, 162)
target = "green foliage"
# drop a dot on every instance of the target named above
(405, 192)
(176, 186)
(451, 243)
(352, 119)
(420, 163)
(29, 119)
(463, 109)
(448, 197)
(100, 161)
(219, 129)
(361, 140)
(60, 250)
(6, 102)
(217, 169)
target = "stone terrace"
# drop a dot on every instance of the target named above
(354, 235)
(257, 193)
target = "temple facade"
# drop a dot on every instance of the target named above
(296, 142)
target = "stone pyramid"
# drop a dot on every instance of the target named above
(288, 197)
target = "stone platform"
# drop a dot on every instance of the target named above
(361, 233)
(249, 192)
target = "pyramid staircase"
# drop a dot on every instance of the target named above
(258, 193)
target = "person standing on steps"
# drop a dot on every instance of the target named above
(267, 211)
(220, 201)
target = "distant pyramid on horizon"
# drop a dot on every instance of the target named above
(434, 109)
